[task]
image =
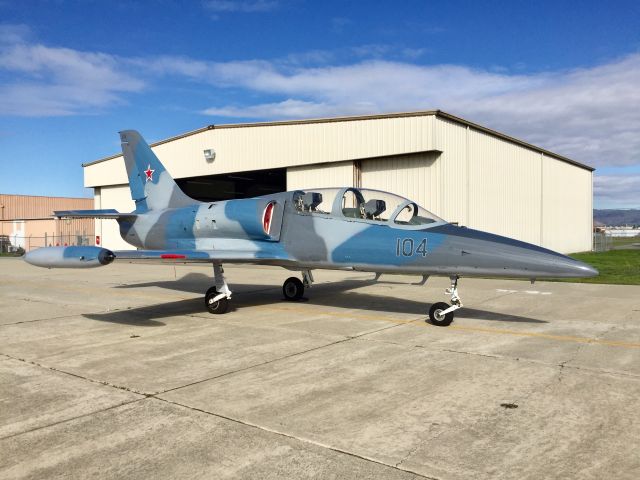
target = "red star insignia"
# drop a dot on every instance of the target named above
(149, 173)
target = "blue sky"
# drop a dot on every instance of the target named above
(562, 75)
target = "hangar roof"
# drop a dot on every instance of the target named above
(437, 113)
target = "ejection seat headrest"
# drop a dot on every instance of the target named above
(373, 208)
(311, 200)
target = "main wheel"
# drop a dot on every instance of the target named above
(293, 289)
(218, 307)
(437, 318)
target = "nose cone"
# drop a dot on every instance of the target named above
(488, 254)
(537, 262)
(561, 266)
(583, 270)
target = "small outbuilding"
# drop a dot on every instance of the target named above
(27, 222)
(459, 170)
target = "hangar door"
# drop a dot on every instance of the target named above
(413, 176)
(228, 186)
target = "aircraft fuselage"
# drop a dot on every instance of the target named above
(329, 241)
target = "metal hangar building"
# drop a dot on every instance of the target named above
(461, 171)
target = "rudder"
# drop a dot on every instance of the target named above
(152, 187)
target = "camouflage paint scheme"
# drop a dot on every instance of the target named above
(169, 226)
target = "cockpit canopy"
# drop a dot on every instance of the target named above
(363, 204)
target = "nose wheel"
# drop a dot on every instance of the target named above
(441, 313)
(437, 317)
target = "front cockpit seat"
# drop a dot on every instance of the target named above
(311, 200)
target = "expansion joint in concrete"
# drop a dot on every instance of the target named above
(75, 375)
(275, 360)
(299, 439)
(67, 420)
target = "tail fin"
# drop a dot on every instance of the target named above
(151, 185)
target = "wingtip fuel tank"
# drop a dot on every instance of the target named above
(70, 257)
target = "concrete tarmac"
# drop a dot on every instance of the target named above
(119, 372)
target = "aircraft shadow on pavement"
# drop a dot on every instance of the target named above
(148, 315)
(335, 294)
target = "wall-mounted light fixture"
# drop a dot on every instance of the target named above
(210, 155)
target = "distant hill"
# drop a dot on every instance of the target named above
(617, 216)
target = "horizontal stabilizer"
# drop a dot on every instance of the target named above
(108, 213)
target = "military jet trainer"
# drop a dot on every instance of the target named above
(340, 228)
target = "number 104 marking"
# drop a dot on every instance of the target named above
(406, 247)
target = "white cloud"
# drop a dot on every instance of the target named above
(49, 81)
(591, 114)
(286, 109)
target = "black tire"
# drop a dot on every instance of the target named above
(219, 307)
(293, 289)
(435, 316)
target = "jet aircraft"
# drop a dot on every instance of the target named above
(346, 228)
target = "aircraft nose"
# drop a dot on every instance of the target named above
(561, 266)
(582, 270)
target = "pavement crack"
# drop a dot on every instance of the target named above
(294, 437)
(82, 377)
(38, 320)
(564, 364)
(67, 420)
(249, 367)
(440, 350)
(268, 362)
(411, 453)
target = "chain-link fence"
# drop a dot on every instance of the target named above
(602, 242)
(18, 244)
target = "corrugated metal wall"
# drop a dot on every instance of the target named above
(504, 188)
(28, 206)
(278, 146)
(320, 176)
(567, 206)
(37, 228)
(412, 176)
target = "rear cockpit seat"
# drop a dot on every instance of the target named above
(373, 208)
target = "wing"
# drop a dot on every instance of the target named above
(202, 256)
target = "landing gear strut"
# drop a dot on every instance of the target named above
(440, 313)
(217, 297)
(293, 288)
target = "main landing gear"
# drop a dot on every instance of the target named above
(441, 313)
(217, 297)
(293, 287)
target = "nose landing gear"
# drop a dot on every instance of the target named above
(441, 313)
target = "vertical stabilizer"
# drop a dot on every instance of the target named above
(152, 188)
